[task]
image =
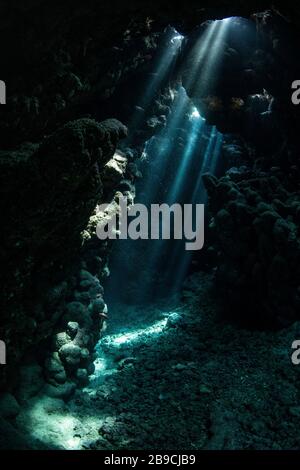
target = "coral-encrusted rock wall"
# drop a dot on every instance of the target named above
(256, 236)
(64, 61)
(48, 193)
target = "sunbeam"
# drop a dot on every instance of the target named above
(192, 140)
(163, 64)
(205, 57)
(172, 165)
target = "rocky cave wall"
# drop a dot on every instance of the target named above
(69, 66)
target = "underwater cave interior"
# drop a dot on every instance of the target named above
(144, 344)
(174, 160)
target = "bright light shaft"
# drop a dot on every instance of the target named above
(177, 114)
(193, 138)
(162, 158)
(164, 64)
(216, 153)
(198, 195)
(205, 56)
(217, 45)
(208, 149)
(174, 118)
(209, 163)
(199, 52)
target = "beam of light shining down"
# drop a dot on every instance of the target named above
(163, 64)
(216, 47)
(215, 154)
(199, 51)
(162, 155)
(193, 138)
(205, 55)
(176, 158)
(178, 110)
(208, 150)
(157, 154)
(209, 164)
(180, 260)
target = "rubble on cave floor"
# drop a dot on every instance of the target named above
(158, 384)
